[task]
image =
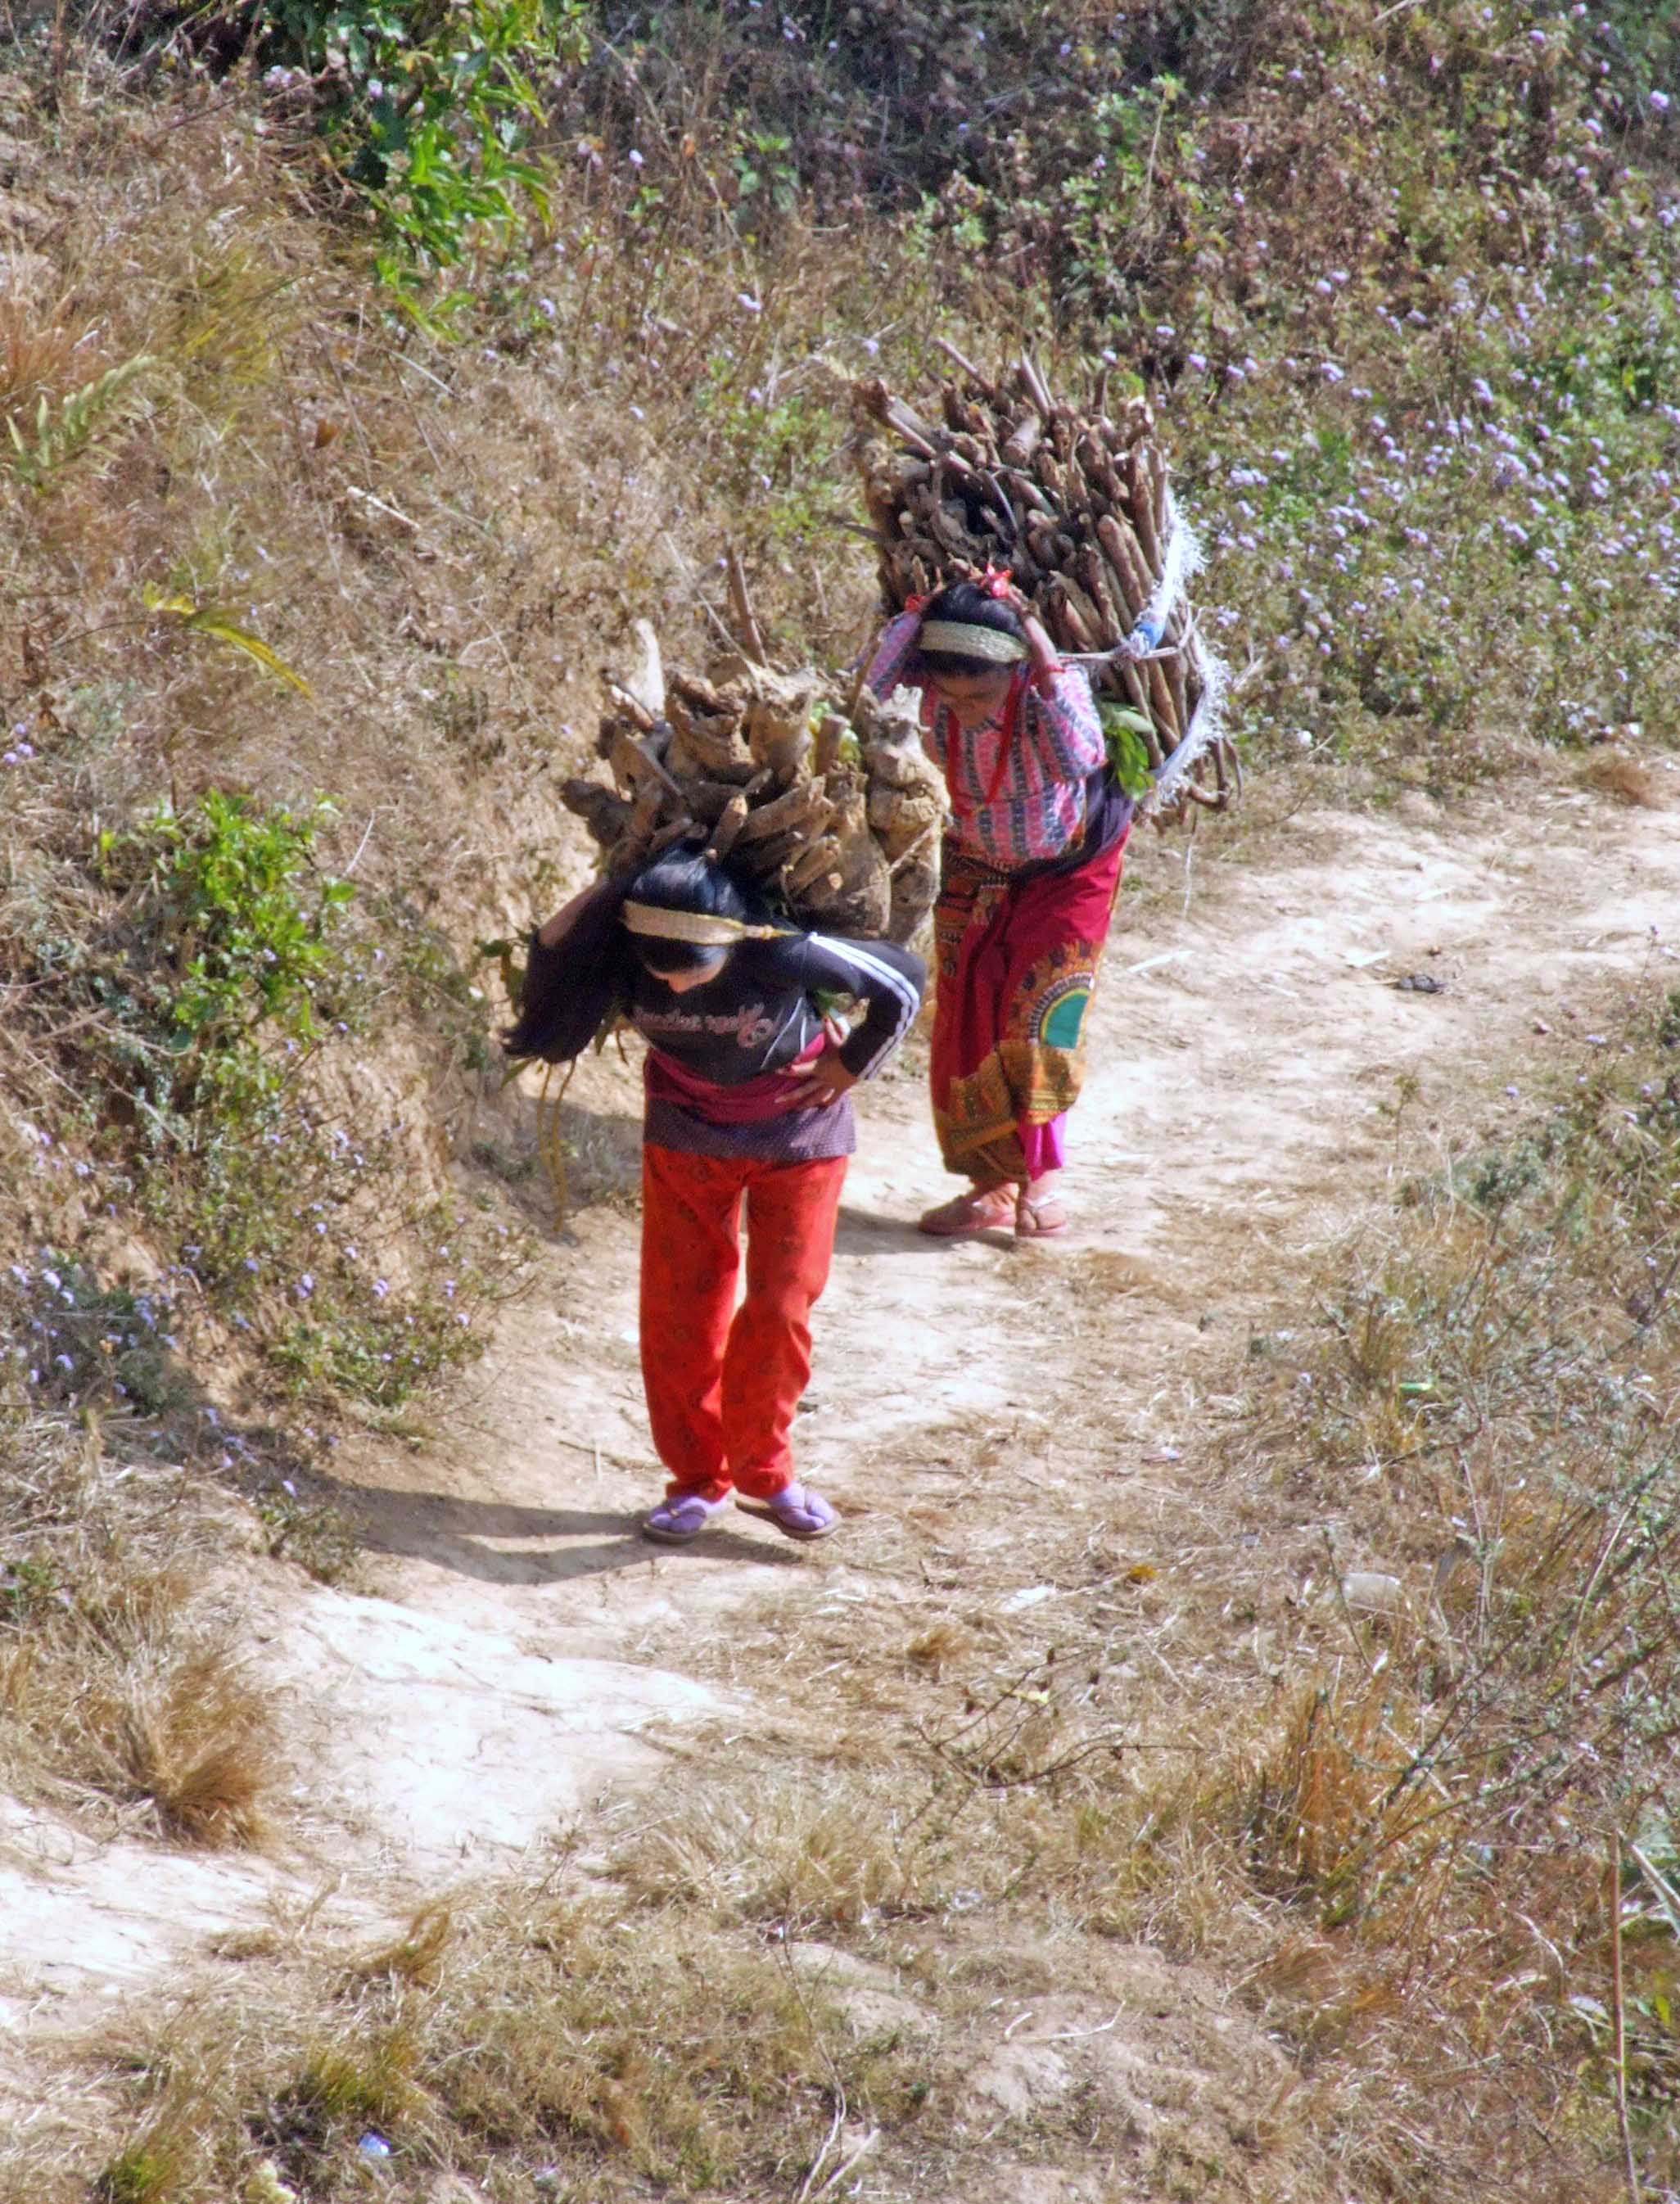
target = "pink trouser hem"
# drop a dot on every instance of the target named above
(1044, 1147)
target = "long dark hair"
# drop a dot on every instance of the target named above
(571, 987)
(969, 604)
(683, 878)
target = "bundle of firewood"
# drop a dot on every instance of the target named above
(1077, 506)
(832, 811)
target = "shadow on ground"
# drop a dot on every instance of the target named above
(454, 1533)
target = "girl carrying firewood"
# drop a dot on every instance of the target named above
(1030, 867)
(747, 1102)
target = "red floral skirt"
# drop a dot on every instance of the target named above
(1016, 964)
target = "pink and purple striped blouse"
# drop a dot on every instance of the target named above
(1014, 812)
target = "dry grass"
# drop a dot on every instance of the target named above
(537, 2034)
(804, 1851)
(195, 1736)
(1438, 1809)
(37, 350)
(695, 2043)
(1627, 779)
(120, 1680)
(645, 2017)
(414, 1957)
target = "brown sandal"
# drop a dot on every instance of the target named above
(984, 1209)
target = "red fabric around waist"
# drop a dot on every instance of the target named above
(772, 1095)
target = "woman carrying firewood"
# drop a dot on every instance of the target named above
(1030, 865)
(746, 1085)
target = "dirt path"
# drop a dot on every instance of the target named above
(1254, 1012)
(521, 1656)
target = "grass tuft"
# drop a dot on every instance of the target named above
(1627, 779)
(121, 1679)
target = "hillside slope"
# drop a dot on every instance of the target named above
(360, 1775)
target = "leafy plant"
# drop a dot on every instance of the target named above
(430, 107)
(57, 434)
(238, 934)
(764, 165)
(1124, 730)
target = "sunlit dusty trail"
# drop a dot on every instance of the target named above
(515, 1656)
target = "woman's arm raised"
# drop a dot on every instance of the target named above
(893, 653)
(1065, 725)
(573, 973)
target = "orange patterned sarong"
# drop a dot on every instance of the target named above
(1016, 963)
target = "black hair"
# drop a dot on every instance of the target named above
(966, 602)
(683, 878)
(657, 955)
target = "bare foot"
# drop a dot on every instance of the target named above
(1040, 1212)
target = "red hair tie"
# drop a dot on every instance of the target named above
(996, 583)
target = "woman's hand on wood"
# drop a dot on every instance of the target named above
(1041, 654)
(1041, 651)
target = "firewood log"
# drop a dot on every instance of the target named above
(727, 832)
(603, 810)
(740, 772)
(778, 720)
(861, 901)
(715, 746)
(805, 809)
(1075, 501)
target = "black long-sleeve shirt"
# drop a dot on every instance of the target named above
(759, 1015)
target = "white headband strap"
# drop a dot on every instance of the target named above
(964, 640)
(701, 927)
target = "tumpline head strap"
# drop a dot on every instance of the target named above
(704, 928)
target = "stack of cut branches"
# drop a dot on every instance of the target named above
(833, 814)
(1077, 506)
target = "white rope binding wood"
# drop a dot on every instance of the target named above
(1207, 723)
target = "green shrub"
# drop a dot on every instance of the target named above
(430, 109)
(228, 969)
(219, 980)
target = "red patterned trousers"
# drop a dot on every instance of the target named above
(723, 1382)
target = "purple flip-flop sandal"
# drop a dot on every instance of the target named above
(796, 1512)
(683, 1516)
